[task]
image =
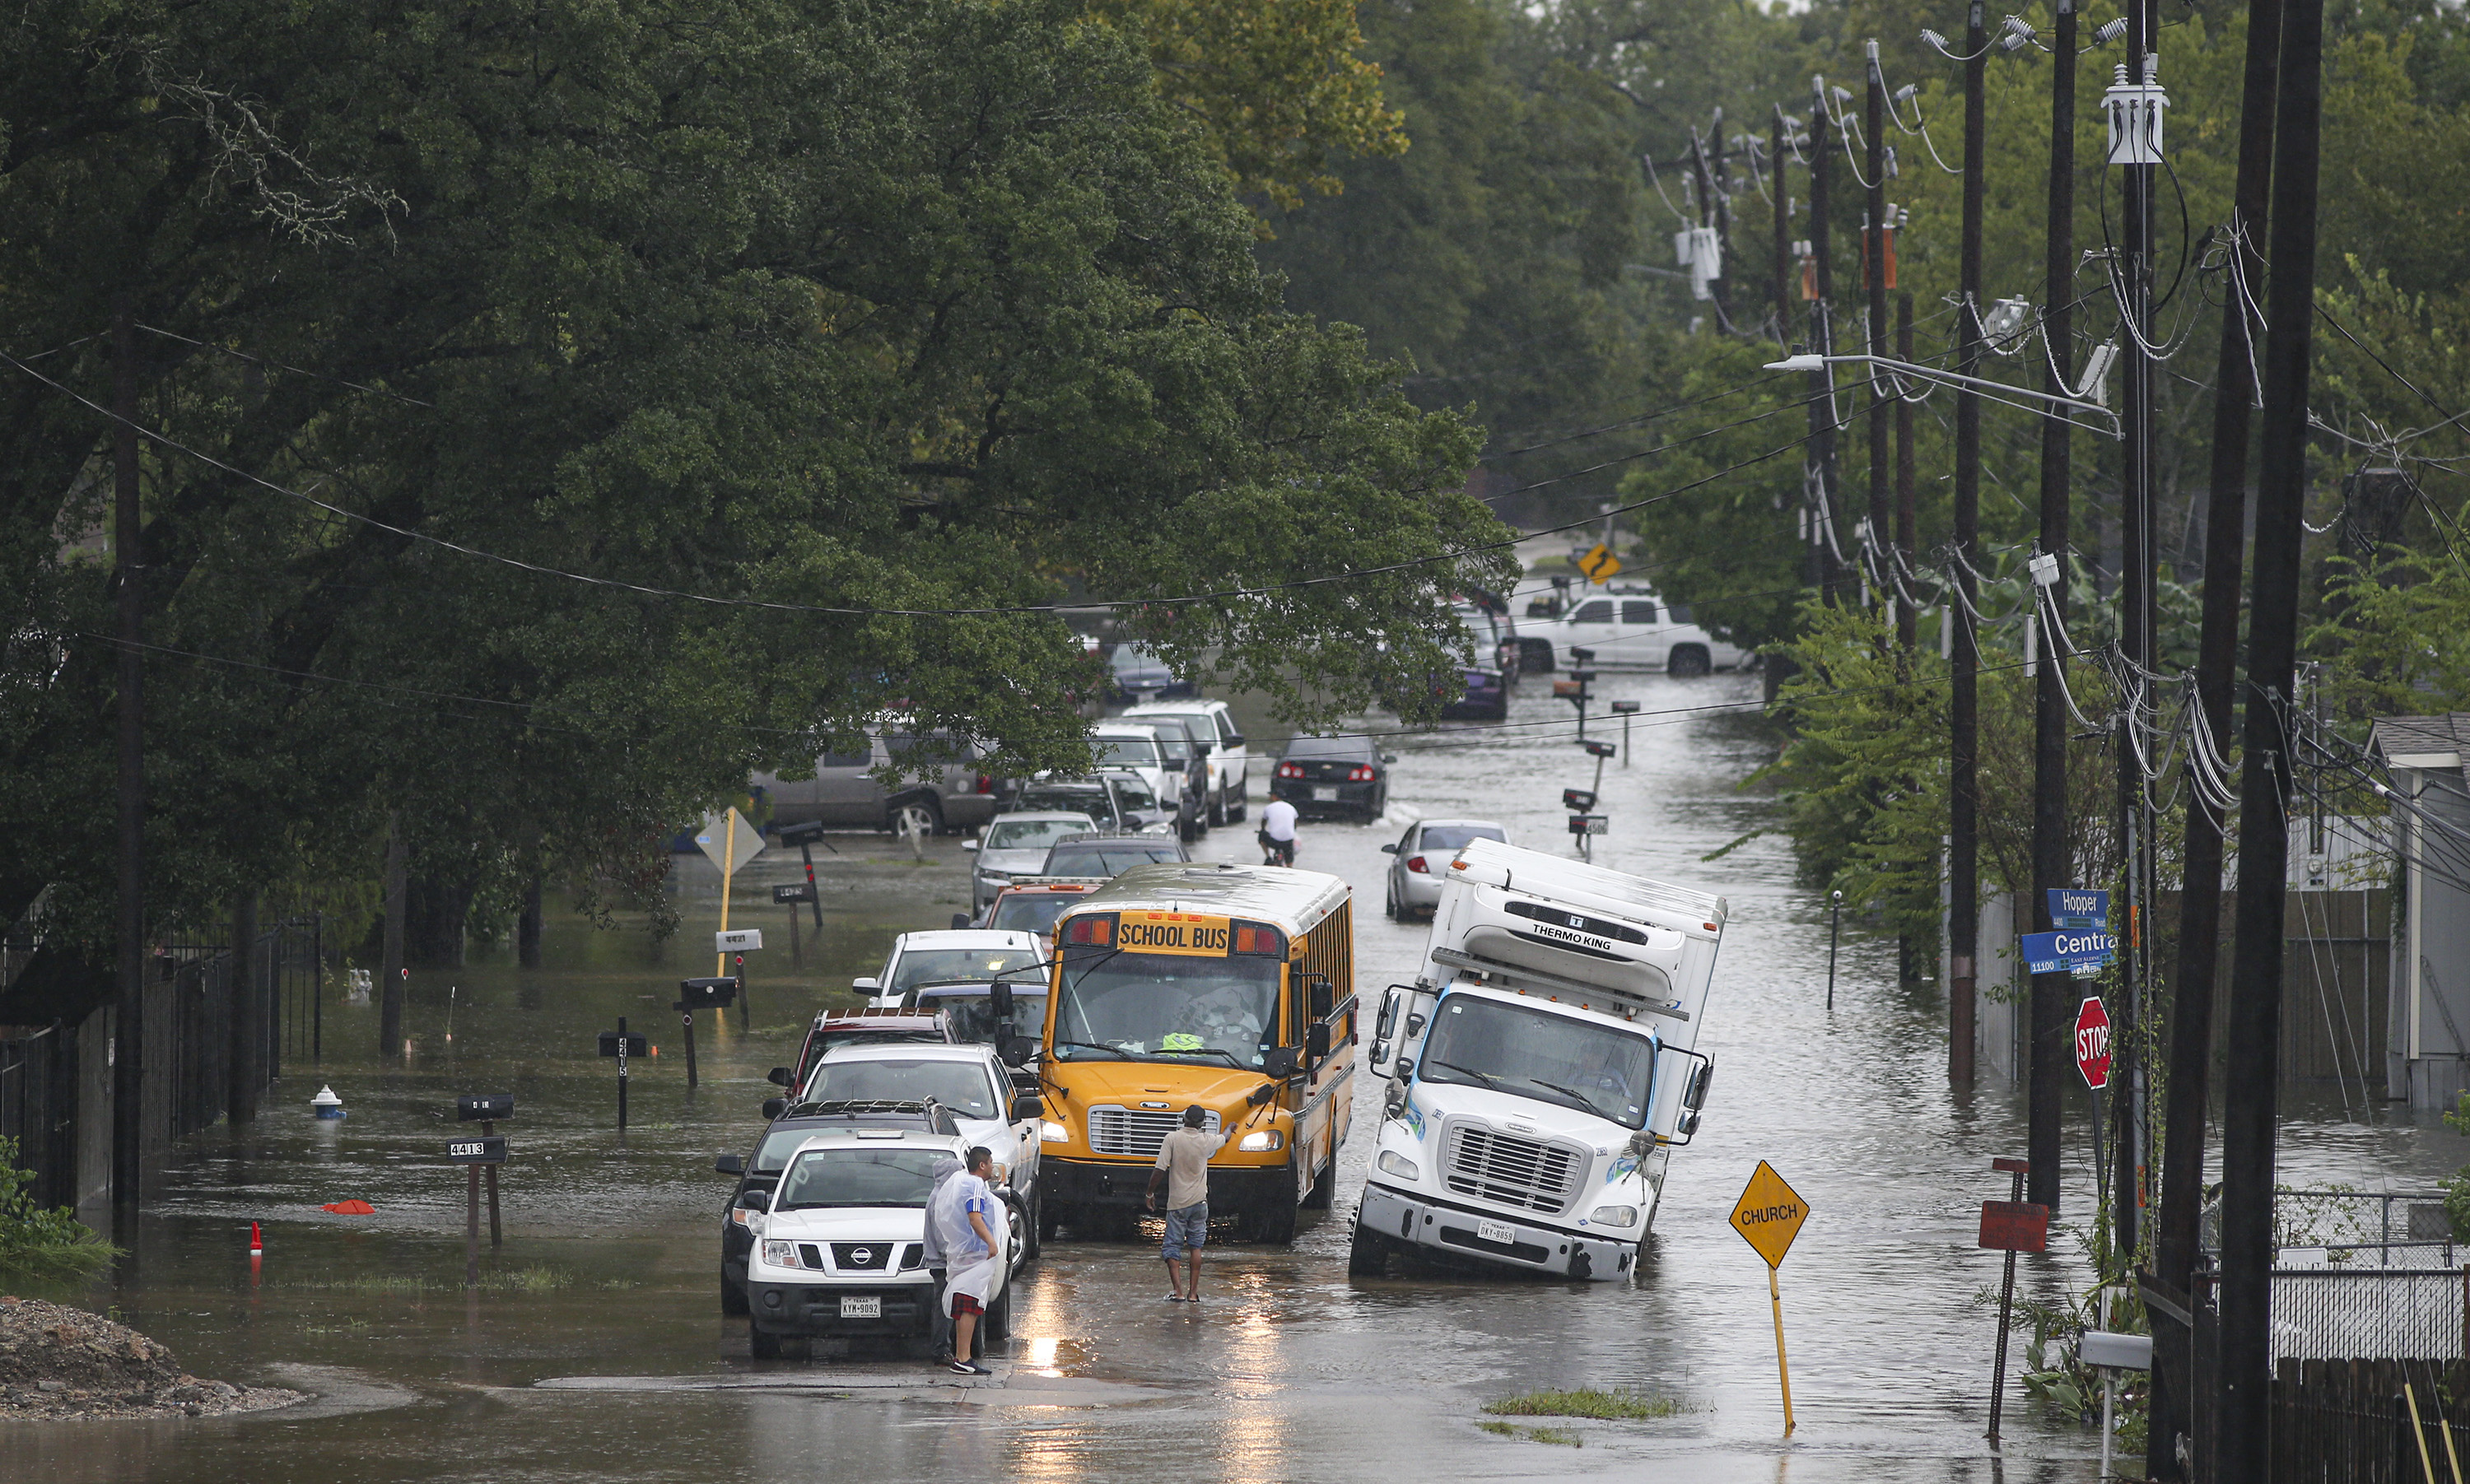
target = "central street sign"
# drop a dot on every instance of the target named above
(2068, 948)
(1599, 565)
(2092, 1043)
(2077, 907)
(1770, 1214)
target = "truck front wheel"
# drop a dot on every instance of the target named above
(1368, 1256)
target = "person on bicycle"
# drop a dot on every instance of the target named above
(1277, 835)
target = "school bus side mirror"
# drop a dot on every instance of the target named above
(1316, 1040)
(1280, 1061)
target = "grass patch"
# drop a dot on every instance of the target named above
(1588, 1401)
(1562, 1436)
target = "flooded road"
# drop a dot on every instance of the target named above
(594, 1348)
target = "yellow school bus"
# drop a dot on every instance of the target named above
(1176, 984)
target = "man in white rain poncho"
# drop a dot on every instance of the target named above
(961, 1214)
(940, 1171)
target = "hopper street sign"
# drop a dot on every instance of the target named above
(2092, 1043)
(1599, 564)
(2076, 907)
(1769, 1215)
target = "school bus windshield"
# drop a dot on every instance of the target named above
(1162, 1007)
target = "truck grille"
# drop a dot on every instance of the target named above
(858, 1256)
(1137, 1132)
(1493, 1166)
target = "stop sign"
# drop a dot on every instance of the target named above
(2092, 1043)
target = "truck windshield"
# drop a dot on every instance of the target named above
(973, 1016)
(1030, 912)
(859, 1177)
(1554, 1058)
(1166, 1006)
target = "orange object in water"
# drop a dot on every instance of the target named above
(256, 1242)
(351, 1208)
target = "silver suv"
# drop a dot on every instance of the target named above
(847, 791)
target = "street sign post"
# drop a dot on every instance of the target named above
(1770, 1216)
(731, 842)
(1599, 565)
(2079, 951)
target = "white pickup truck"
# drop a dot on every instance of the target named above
(1542, 1069)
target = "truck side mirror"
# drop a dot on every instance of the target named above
(773, 1106)
(867, 986)
(757, 1199)
(968, 844)
(1028, 1105)
(779, 1076)
(960, 920)
(1694, 1093)
(729, 1164)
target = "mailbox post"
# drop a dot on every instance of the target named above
(1625, 709)
(791, 894)
(695, 994)
(488, 1151)
(620, 1044)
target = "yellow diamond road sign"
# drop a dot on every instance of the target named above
(1769, 1215)
(1599, 564)
(729, 848)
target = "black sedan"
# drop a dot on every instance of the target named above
(1334, 776)
(772, 1154)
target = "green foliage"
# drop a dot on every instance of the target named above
(39, 1246)
(924, 307)
(1618, 1405)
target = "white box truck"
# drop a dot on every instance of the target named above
(1541, 1069)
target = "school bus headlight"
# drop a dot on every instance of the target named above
(1051, 1132)
(1394, 1162)
(1262, 1140)
(1623, 1217)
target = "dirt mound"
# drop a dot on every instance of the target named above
(65, 1362)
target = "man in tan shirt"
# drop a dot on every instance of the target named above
(1183, 1168)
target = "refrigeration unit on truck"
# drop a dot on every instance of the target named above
(1541, 1069)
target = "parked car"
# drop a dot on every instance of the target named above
(1016, 845)
(1185, 748)
(1230, 762)
(1629, 628)
(839, 1243)
(972, 1081)
(1134, 675)
(847, 792)
(856, 1028)
(1422, 855)
(1117, 802)
(760, 1169)
(970, 1010)
(1031, 903)
(942, 955)
(1132, 746)
(1339, 775)
(1111, 855)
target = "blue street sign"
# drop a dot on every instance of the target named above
(2076, 907)
(2068, 948)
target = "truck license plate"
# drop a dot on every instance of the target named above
(1500, 1232)
(873, 1308)
(1325, 793)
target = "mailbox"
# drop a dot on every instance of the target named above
(793, 893)
(488, 1107)
(701, 994)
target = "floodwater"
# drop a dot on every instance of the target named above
(594, 1348)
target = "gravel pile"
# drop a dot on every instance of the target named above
(65, 1362)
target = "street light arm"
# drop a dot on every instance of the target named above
(1812, 361)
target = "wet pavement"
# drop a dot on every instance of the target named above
(594, 1348)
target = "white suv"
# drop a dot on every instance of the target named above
(968, 1081)
(1230, 762)
(943, 956)
(839, 1243)
(1629, 628)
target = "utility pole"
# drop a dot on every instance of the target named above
(2252, 1069)
(1776, 144)
(2200, 901)
(1877, 551)
(1822, 336)
(1708, 218)
(1963, 646)
(2134, 276)
(1908, 618)
(1723, 183)
(397, 888)
(245, 1050)
(2052, 867)
(128, 1019)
